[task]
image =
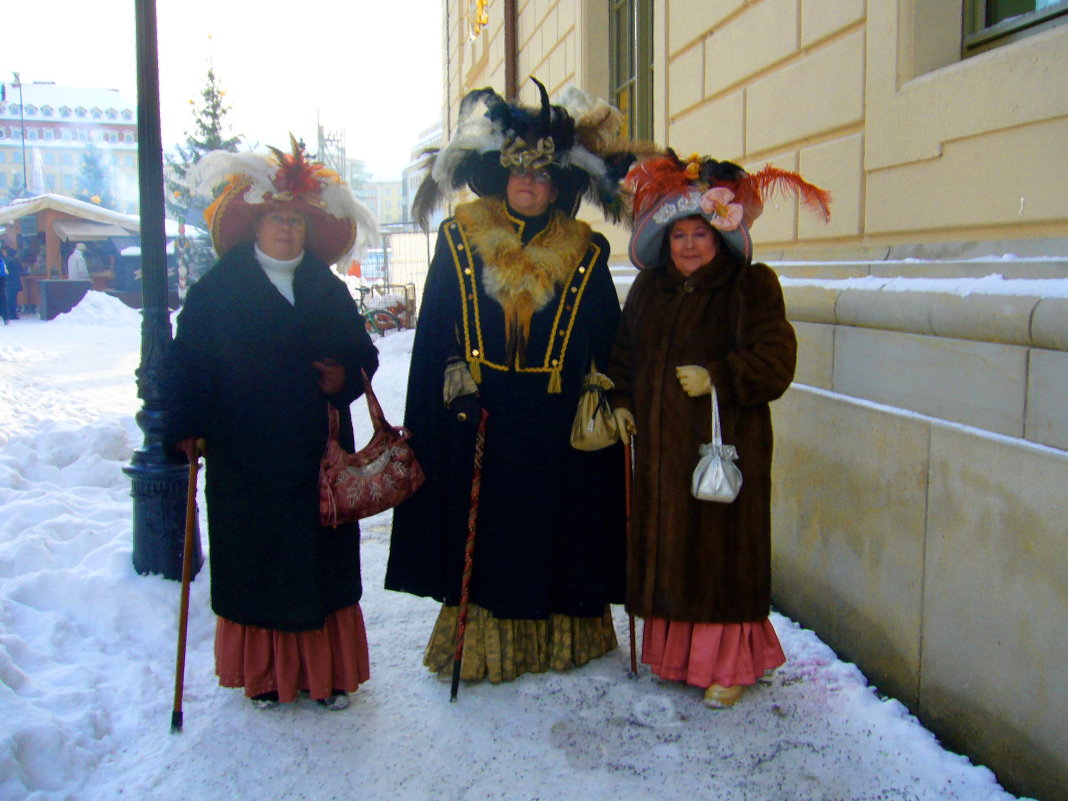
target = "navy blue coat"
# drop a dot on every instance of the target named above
(551, 528)
(239, 374)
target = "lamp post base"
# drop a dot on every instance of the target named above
(158, 488)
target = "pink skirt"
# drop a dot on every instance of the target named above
(320, 661)
(703, 654)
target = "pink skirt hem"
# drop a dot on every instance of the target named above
(319, 662)
(703, 654)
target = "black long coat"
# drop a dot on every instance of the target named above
(550, 533)
(694, 560)
(239, 374)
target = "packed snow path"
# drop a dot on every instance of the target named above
(87, 657)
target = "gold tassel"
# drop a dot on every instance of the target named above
(476, 371)
(555, 383)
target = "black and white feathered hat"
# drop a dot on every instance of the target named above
(577, 141)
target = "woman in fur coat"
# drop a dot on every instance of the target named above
(701, 315)
(518, 302)
(266, 340)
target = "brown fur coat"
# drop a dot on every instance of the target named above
(696, 560)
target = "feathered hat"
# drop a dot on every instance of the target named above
(666, 189)
(256, 183)
(578, 142)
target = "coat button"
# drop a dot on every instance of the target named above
(467, 271)
(688, 286)
(459, 247)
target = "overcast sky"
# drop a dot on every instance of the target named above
(372, 68)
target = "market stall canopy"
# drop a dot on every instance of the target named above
(86, 231)
(68, 205)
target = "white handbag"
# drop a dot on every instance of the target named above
(716, 477)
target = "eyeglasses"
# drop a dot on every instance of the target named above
(538, 176)
(292, 220)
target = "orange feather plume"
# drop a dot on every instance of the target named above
(770, 181)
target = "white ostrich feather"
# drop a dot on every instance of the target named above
(475, 134)
(217, 166)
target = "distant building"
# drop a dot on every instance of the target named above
(59, 122)
(388, 199)
(413, 174)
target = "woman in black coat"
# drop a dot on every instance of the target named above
(518, 302)
(265, 341)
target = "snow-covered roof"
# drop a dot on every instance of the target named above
(68, 205)
(57, 96)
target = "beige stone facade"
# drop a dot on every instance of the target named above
(871, 100)
(919, 514)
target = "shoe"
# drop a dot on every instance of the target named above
(265, 700)
(336, 702)
(719, 697)
(768, 677)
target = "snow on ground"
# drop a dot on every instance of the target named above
(87, 657)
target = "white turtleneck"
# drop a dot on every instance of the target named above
(279, 272)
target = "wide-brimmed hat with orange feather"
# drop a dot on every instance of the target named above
(254, 184)
(665, 189)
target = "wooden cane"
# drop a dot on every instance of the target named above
(469, 552)
(187, 577)
(628, 457)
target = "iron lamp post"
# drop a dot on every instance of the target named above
(159, 485)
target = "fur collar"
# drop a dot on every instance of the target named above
(522, 279)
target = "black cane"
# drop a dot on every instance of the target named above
(628, 473)
(187, 577)
(469, 551)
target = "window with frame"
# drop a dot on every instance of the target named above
(49, 133)
(80, 112)
(31, 133)
(991, 23)
(630, 70)
(46, 111)
(31, 111)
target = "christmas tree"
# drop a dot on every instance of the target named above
(94, 180)
(210, 133)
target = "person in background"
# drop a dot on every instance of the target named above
(77, 270)
(518, 301)
(3, 289)
(700, 315)
(14, 281)
(266, 340)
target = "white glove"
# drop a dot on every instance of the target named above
(695, 380)
(624, 421)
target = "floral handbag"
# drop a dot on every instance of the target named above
(375, 478)
(716, 477)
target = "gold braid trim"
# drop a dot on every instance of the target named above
(522, 279)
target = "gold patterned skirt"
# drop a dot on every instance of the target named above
(501, 649)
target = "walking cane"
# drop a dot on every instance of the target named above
(187, 577)
(469, 551)
(628, 482)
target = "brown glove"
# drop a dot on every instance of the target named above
(331, 376)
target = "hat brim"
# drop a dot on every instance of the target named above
(234, 222)
(647, 237)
